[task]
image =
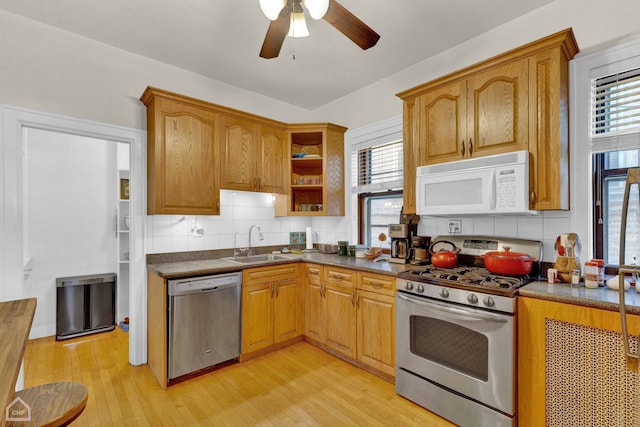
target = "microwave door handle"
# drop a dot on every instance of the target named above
(454, 310)
(492, 185)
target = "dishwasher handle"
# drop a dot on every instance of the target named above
(199, 285)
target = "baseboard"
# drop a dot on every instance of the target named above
(42, 331)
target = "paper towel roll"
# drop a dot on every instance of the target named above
(309, 238)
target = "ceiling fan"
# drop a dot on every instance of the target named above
(287, 18)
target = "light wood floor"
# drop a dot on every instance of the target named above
(300, 385)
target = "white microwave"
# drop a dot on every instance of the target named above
(496, 184)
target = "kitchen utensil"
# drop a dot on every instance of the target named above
(444, 258)
(508, 263)
(572, 238)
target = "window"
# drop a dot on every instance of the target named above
(376, 179)
(376, 212)
(615, 138)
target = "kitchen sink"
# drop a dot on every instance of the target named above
(256, 258)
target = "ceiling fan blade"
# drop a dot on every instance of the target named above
(276, 33)
(349, 25)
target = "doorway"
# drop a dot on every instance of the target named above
(71, 213)
(17, 121)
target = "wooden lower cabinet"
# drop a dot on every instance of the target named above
(314, 312)
(271, 312)
(352, 314)
(340, 319)
(157, 327)
(376, 325)
(257, 317)
(571, 368)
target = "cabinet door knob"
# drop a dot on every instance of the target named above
(470, 147)
(463, 148)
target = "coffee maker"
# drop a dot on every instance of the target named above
(420, 250)
(401, 235)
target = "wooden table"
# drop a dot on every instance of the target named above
(51, 405)
(15, 323)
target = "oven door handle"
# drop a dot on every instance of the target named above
(476, 315)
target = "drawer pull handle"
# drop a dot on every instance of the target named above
(375, 283)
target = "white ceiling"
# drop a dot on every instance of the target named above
(221, 39)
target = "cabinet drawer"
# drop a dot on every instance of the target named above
(379, 283)
(340, 276)
(314, 273)
(268, 274)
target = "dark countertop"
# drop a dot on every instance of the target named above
(185, 268)
(602, 297)
(171, 266)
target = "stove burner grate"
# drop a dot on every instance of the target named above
(473, 276)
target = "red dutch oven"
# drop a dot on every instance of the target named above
(444, 258)
(507, 263)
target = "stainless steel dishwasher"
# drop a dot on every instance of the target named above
(204, 322)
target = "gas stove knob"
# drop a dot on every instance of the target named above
(408, 286)
(420, 288)
(489, 302)
(472, 298)
(444, 293)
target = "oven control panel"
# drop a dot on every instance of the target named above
(505, 304)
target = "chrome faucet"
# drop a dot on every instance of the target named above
(260, 236)
(236, 251)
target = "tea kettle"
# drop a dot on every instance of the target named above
(444, 258)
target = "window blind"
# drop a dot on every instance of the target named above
(377, 168)
(615, 112)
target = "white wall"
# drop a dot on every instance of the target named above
(47, 69)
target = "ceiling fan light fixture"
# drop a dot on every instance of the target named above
(272, 8)
(298, 26)
(317, 8)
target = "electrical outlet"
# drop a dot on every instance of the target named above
(455, 226)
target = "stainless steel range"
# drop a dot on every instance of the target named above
(455, 334)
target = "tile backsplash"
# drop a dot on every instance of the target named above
(239, 210)
(545, 227)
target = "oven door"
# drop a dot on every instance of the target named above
(467, 350)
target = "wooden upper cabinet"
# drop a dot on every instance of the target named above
(549, 141)
(238, 152)
(515, 101)
(271, 159)
(182, 155)
(483, 115)
(254, 155)
(195, 148)
(442, 123)
(315, 171)
(498, 110)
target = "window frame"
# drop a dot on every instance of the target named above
(378, 133)
(583, 70)
(600, 175)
